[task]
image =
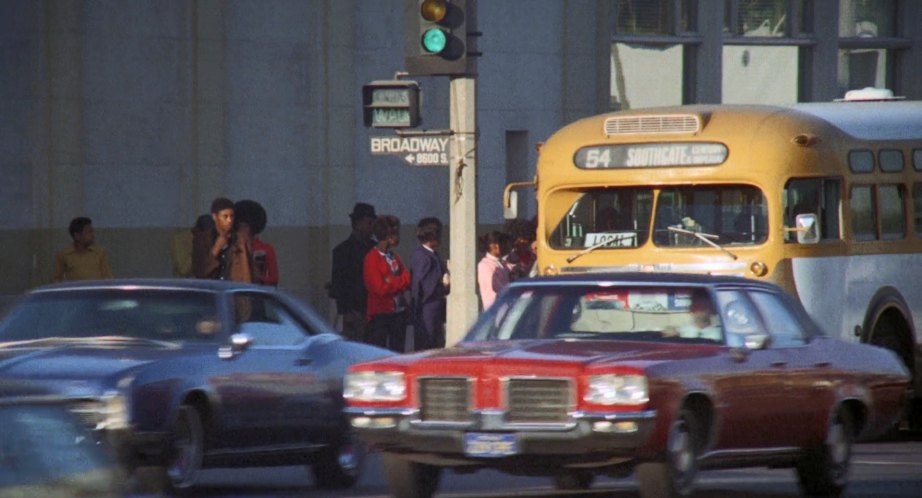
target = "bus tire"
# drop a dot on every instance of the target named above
(889, 328)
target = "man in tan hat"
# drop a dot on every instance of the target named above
(347, 285)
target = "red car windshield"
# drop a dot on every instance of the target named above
(680, 314)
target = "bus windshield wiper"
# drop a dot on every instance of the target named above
(704, 237)
(616, 238)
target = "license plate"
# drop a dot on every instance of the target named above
(490, 444)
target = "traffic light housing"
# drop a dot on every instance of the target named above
(391, 104)
(436, 37)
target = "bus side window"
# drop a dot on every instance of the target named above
(917, 207)
(819, 196)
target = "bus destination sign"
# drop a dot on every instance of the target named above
(656, 155)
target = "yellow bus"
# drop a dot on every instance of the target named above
(824, 199)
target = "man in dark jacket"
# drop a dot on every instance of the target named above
(347, 285)
(428, 287)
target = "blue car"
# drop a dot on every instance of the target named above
(181, 374)
(45, 451)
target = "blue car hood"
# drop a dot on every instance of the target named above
(79, 362)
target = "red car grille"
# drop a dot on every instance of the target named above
(538, 401)
(444, 399)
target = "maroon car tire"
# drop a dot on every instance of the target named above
(408, 479)
(674, 474)
(823, 471)
(575, 480)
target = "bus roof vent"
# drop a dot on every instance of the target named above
(653, 123)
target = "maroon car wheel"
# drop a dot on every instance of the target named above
(574, 480)
(674, 474)
(409, 479)
(824, 471)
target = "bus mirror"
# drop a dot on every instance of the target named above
(808, 231)
(511, 206)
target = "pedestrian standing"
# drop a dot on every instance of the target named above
(224, 252)
(522, 234)
(265, 263)
(429, 284)
(347, 286)
(493, 272)
(83, 260)
(386, 280)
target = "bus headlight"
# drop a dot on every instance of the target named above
(612, 389)
(758, 268)
(374, 386)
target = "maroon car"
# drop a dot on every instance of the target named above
(660, 375)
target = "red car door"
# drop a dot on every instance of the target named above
(809, 366)
(753, 396)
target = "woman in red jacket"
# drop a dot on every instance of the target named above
(386, 280)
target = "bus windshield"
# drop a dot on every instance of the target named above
(621, 217)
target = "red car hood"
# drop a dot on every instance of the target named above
(550, 354)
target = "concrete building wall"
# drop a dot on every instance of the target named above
(138, 114)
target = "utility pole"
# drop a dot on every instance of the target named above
(441, 40)
(462, 170)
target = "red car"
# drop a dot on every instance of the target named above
(660, 375)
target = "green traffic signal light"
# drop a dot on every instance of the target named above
(436, 37)
(434, 40)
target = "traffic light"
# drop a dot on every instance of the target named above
(436, 37)
(391, 104)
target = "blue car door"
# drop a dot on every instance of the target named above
(270, 390)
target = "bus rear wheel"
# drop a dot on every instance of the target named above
(891, 332)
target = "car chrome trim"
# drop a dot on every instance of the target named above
(508, 383)
(381, 412)
(277, 448)
(420, 394)
(495, 419)
(615, 416)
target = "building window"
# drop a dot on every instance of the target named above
(646, 75)
(648, 52)
(866, 28)
(867, 18)
(761, 51)
(759, 74)
(756, 17)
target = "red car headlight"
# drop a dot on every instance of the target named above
(614, 389)
(374, 386)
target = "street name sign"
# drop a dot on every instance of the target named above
(415, 151)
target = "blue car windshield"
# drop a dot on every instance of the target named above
(159, 315)
(631, 313)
